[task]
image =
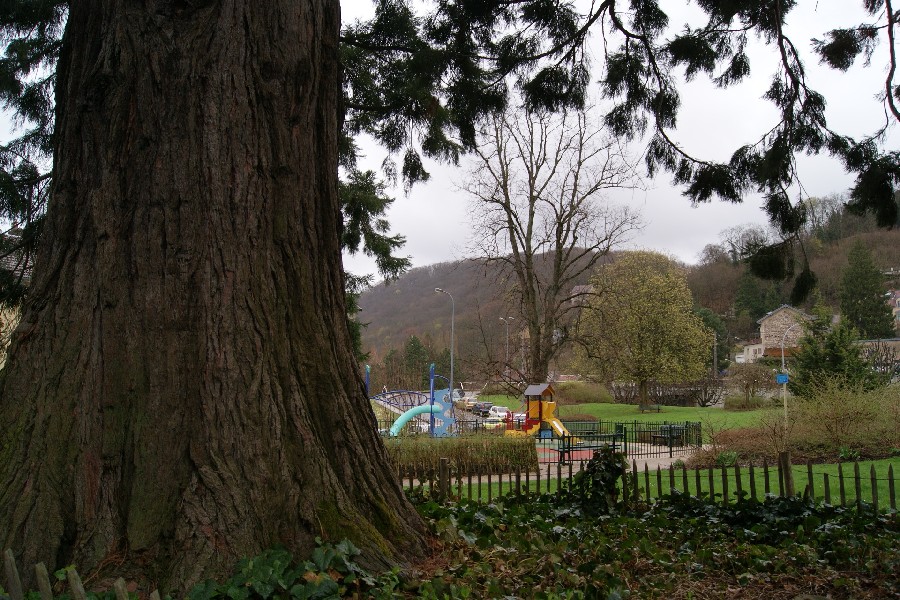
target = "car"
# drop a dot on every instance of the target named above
(493, 423)
(498, 411)
(466, 403)
(456, 396)
(519, 418)
(482, 408)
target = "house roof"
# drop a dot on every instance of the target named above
(771, 313)
(14, 262)
(776, 352)
(538, 389)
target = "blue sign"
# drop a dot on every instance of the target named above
(781, 378)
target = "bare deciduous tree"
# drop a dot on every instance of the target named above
(538, 186)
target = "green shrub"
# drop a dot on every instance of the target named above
(833, 424)
(330, 572)
(845, 453)
(832, 419)
(595, 487)
(468, 454)
(726, 458)
(581, 392)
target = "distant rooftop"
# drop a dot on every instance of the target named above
(13, 261)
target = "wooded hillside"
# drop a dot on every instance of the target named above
(720, 282)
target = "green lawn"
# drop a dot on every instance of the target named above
(718, 418)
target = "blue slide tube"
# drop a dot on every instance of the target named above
(413, 412)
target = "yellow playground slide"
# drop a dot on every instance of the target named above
(558, 428)
(555, 424)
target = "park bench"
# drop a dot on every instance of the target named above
(669, 435)
(650, 407)
(589, 441)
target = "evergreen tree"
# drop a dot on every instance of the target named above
(182, 389)
(756, 296)
(832, 354)
(863, 303)
(416, 361)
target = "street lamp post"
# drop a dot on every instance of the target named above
(452, 319)
(784, 371)
(506, 365)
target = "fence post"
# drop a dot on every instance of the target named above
(857, 485)
(444, 478)
(724, 486)
(559, 485)
(647, 482)
(43, 580)
(120, 589)
(874, 488)
(809, 478)
(843, 490)
(636, 495)
(891, 493)
(12, 576)
(697, 483)
(752, 476)
(75, 585)
(784, 460)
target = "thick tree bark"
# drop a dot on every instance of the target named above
(181, 391)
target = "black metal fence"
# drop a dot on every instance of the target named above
(636, 439)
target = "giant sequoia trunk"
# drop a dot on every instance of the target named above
(181, 390)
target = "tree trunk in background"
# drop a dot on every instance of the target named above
(181, 391)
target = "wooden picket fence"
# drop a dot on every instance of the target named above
(724, 484)
(444, 483)
(76, 588)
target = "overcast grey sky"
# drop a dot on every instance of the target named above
(712, 124)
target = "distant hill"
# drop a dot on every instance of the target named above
(409, 306)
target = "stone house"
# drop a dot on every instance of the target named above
(893, 300)
(782, 324)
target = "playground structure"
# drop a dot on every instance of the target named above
(435, 412)
(540, 414)
(437, 406)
